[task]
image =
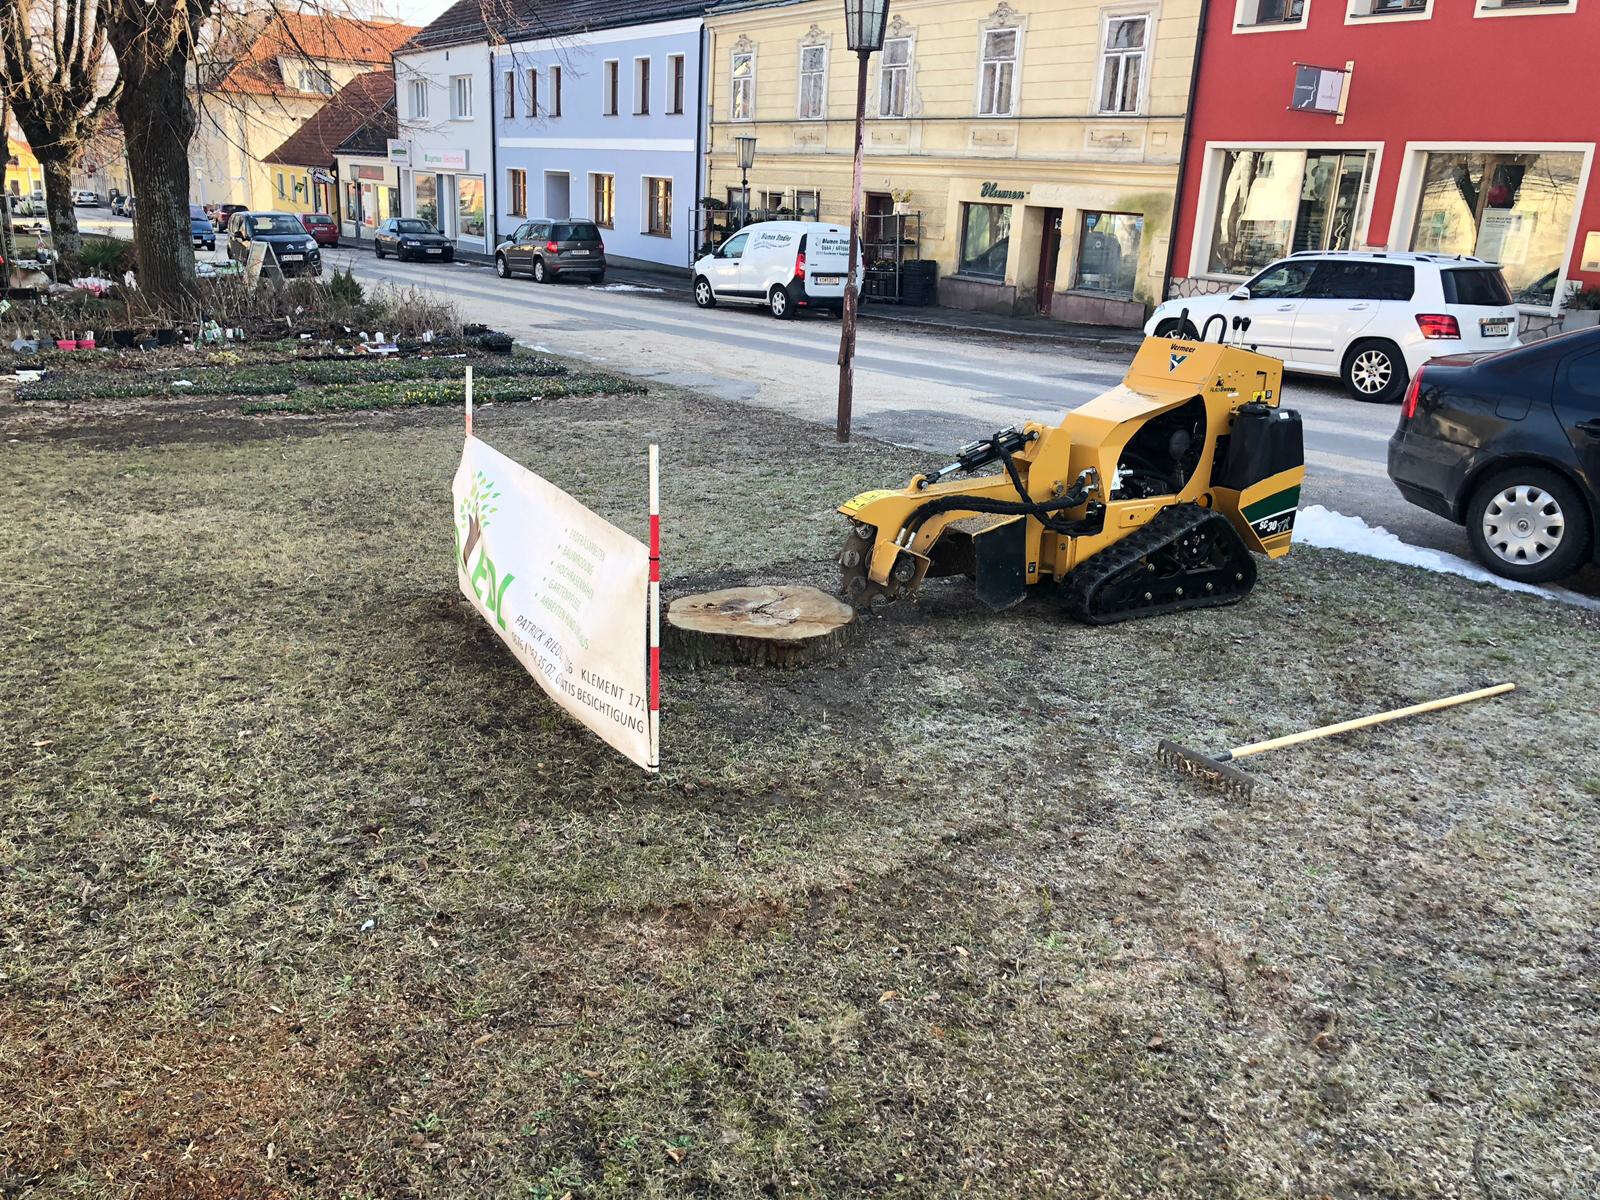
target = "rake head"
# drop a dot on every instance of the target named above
(1217, 772)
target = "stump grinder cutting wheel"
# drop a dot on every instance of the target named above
(1147, 499)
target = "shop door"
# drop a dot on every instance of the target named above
(1049, 255)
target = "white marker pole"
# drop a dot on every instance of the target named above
(469, 401)
(655, 608)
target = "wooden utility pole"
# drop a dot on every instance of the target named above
(852, 286)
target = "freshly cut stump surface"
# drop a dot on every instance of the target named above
(782, 626)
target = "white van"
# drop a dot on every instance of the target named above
(785, 265)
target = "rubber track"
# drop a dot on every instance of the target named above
(1079, 589)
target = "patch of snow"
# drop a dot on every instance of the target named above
(622, 287)
(1318, 526)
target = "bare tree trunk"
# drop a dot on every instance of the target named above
(63, 216)
(158, 120)
(5, 201)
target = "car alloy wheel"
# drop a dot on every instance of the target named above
(702, 293)
(779, 303)
(1523, 524)
(538, 270)
(501, 268)
(1371, 372)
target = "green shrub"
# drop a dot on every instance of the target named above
(107, 257)
(346, 289)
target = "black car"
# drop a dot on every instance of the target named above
(1508, 444)
(412, 237)
(293, 249)
(201, 231)
(549, 249)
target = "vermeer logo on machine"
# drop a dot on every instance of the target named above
(1176, 359)
(473, 516)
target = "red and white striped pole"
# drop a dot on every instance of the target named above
(655, 608)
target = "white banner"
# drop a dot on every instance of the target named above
(563, 588)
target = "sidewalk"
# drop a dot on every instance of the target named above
(934, 317)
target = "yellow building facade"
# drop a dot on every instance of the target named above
(1030, 149)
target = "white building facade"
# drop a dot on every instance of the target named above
(605, 123)
(445, 147)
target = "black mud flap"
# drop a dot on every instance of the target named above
(1000, 557)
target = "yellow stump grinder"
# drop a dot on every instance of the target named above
(1147, 499)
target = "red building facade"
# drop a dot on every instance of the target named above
(1464, 127)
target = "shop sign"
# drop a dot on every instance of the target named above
(374, 173)
(450, 160)
(993, 191)
(320, 175)
(1317, 89)
(399, 152)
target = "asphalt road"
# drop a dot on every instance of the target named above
(925, 387)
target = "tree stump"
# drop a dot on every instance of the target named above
(783, 626)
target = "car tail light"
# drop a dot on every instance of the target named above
(1408, 406)
(800, 265)
(551, 248)
(1438, 325)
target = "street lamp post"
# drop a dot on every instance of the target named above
(746, 147)
(864, 22)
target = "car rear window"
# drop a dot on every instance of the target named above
(578, 231)
(1482, 286)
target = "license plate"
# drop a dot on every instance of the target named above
(577, 252)
(1496, 327)
(827, 280)
(435, 249)
(292, 257)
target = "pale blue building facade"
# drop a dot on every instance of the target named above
(605, 123)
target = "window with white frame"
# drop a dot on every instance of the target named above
(1506, 8)
(1256, 14)
(657, 207)
(742, 90)
(610, 85)
(1123, 55)
(813, 82)
(460, 97)
(517, 186)
(511, 95)
(894, 77)
(316, 80)
(641, 87)
(418, 91)
(603, 199)
(807, 203)
(1390, 8)
(675, 78)
(997, 78)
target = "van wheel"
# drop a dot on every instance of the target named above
(1375, 371)
(704, 297)
(501, 267)
(1528, 523)
(779, 304)
(1175, 328)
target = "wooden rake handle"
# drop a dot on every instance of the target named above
(1411, 710)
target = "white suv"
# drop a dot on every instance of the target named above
(1370, 318)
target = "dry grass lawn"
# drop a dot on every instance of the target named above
(306, 892)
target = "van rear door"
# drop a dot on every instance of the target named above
(827, 260)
